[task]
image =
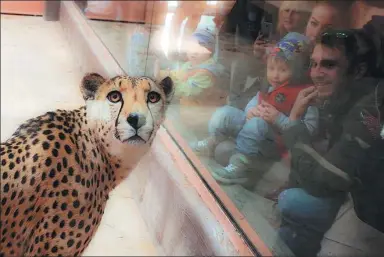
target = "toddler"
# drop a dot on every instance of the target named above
(257, 129)
(200, 72)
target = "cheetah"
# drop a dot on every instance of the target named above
(58, 169)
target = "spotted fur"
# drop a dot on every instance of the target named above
(58, 169)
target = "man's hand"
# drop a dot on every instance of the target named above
(303, 100)
(270, 113)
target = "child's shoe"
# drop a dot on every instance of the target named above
(236, 172)
(205, 147)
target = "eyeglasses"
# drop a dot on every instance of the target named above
(338, 34)
(344, 38)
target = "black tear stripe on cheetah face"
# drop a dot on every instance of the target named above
(58, 169)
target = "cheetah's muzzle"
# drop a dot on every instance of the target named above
(135, 140)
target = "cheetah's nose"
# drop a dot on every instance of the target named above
(136, 120)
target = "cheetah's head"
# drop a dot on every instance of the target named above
(127, 109)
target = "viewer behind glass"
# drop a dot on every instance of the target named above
(325, 14)
(196, 81)
(293, 17)
(342, 63)
(257, 128)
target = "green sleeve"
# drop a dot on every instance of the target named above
(194, 85)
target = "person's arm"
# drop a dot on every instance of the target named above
(297, 131)
(330, 172)
(194, 84)
(335, 170)
(318, 173)
(310, 120)
(226, 7)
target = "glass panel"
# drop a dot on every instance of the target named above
(282, 101)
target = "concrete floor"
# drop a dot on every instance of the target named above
(38, 74)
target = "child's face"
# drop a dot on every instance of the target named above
(197, 53)
(278, 71)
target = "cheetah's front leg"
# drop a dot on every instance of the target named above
(59, 238)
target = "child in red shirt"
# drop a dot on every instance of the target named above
(257, 128)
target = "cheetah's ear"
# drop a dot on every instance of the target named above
(89, 85)
(168, 87)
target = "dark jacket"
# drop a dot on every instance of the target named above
(349, 135)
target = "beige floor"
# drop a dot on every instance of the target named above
(38, 73)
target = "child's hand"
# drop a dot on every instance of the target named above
(270, 113)
(256, 111)
(253, 112)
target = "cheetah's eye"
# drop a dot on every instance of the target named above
(114, 96)
(153, 97)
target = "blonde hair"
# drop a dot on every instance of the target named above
(305, 7)
(274, 59)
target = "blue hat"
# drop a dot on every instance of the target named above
(206, 38)
(294, 49)
(291, 45)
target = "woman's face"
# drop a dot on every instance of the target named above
(291, 19)
(322, 17)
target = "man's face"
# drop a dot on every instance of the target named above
(328, 69)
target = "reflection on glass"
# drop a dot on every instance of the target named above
(284, 112)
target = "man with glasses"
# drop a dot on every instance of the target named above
(342, 65)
